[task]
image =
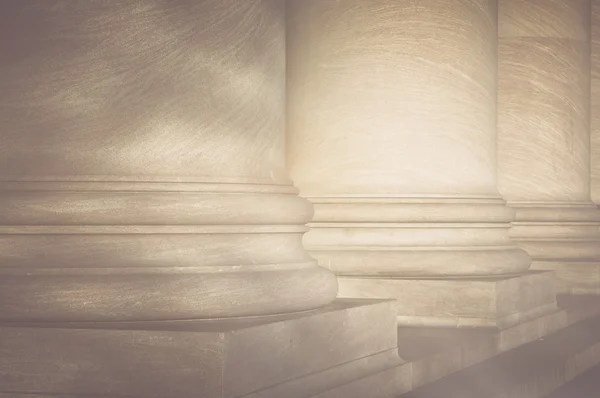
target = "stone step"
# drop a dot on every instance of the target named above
(532, 370)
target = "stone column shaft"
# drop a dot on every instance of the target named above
(544, 136)
(595, 101)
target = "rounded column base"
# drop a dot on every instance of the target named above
(557, 230)
(122, 251)
(429, 236)
(563, 237)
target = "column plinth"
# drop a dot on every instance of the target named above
(392, 137)
(544, 137)
(74, 251)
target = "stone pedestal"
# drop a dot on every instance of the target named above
(392, 137)
(294, 356)
(495, 302)
(144, 205)
(544, 137)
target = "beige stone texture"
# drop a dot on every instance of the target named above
(150, 240)
(142, 172)
(434, 353)
(152, 244)
(392, 136)
(595, 101)
(544, 136)
(533, 370)
(500, 302)
(270, 357)
(389, 97)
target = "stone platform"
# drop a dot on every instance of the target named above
(475, 364)
(343, 351)
(497, 302)
(349, 345)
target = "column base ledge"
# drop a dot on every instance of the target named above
(423, 262)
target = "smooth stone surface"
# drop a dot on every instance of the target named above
(544, 18)
(382, 101)
(544, 135)
(385, 384)
(142, 164)
(144, 89)
(595, 101)
(543, 100)
(434, 353)
(563, 237)
(530, 371)
(392, 137)
(414, 236)
(255, 357)
(499, 302)
(574, 277)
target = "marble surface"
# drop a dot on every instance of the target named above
(544, 18)
(388, 97)
(595, 101)
(492, 302)
(543, 100)
(544, 110)
(414, 236)
(250, 358)
(175, 91)
(532, 370)
(142, 164)
(434, 353)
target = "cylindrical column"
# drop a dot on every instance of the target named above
(595, 101)
(544, 135)
(142, 163)
(392, 136)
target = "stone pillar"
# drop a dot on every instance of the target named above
(392, 136)
(144, 179)
(142, 170)
(595, 101)
(544, 136)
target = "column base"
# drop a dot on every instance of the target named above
(561, 237)
(347, 346)
(574, 277)
(497, 302)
